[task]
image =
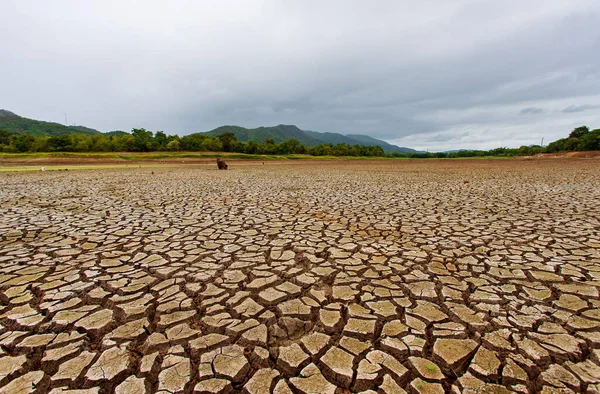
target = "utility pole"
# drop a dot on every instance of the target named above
(66, 123)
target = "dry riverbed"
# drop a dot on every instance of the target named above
(302, 277)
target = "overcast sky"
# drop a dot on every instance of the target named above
(435, 75)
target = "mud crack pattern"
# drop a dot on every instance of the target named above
(389, 277)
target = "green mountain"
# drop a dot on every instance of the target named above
(366, 140)
(117, 133)
(14, 123)
(307, 138)
(278, 134)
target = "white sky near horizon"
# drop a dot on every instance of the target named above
(430, 75)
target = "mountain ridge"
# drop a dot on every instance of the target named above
(281, 133)
(14, 123)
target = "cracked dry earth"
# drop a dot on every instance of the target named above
(389, 277)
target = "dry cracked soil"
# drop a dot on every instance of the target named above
(303, 277)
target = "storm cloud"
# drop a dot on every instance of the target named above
(431, 75)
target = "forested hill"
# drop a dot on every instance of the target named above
(307, 138)
(14, 123)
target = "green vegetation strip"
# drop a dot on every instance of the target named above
(178, 155)
(59, 168)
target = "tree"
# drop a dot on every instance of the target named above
(251, 147)
(5, 137)
(212, 145)
(124, 143)
(60, 143)
(571, 143)
(80, 143)
(590, 141)
(556, 146)
(290, 146)
(524, 150)
(161, 140)
(100, 143)
(173, 145)
(24, 143)
(228, 141)
(143, 141)
(192, 142)
(579, 132)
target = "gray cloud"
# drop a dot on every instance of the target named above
(421, 75)
(580, 108)
(531, 110)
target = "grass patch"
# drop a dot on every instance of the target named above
(59, 168)
(143, 156)
(36, 155)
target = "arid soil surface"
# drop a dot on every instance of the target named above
(475, 276)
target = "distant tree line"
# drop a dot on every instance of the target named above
(580, 139)
(142, 140)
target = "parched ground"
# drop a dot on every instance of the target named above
(477, 276)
